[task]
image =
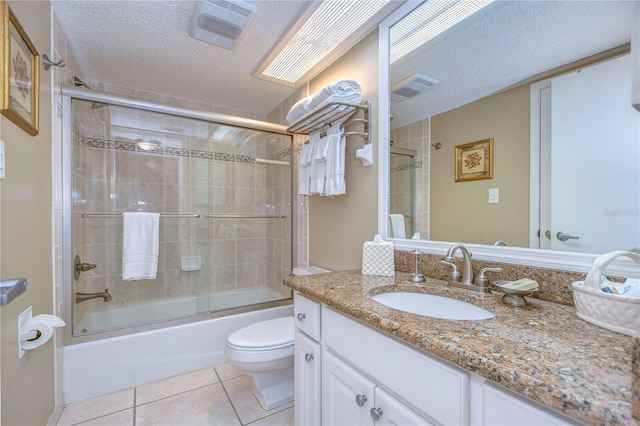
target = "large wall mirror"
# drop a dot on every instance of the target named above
(540, 94)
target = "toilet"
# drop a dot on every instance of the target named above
(264, 351)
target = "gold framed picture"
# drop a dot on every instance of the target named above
(474, 161)
(20, 73)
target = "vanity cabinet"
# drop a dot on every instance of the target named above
(307, 361)
(353, 374)
(436, 392)
(350, 398)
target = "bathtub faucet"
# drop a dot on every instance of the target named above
(81, 297)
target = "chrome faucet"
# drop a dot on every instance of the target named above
(81, 297)
(465, 279)
(467, 270)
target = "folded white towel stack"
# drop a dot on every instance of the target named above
(140, 236)
(341, 90)
(397, 226)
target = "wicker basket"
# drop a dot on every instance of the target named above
(613, 312)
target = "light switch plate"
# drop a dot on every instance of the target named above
(494, 195)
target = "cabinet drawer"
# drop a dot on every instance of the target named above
(307, 314)
(432, 387)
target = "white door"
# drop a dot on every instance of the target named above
(347, 396)
(594, 165)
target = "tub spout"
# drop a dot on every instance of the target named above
(81, 297)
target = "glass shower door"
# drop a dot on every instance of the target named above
(224, 198)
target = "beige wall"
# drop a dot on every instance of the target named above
(460, 211)
(25, 241)
(339, 226)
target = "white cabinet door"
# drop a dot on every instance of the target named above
(347, 396)
(392, 411)
(308, 362)
(504, 408)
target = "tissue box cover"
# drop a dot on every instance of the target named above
(377, 259)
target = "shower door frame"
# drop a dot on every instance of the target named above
(70, 92)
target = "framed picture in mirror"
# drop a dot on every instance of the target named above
(20, 79)
(474, 160)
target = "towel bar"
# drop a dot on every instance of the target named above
(331, 113)
(116, 215)
(246, 216)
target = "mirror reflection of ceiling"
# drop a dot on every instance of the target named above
(515, 41)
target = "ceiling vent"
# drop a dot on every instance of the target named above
(411, 86)
(221, 22)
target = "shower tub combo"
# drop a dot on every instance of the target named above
(222, 186)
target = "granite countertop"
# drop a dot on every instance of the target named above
(542, 351)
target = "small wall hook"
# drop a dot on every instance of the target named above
(48, 63)
(437, 146)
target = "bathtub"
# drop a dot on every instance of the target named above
(102, 366)
(105, 317)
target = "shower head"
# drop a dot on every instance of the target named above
(78, 82)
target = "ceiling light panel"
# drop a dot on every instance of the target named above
(330, 25)
(428, 21)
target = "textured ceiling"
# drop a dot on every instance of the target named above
(145, 45)
(518, 40)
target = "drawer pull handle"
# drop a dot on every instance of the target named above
(361, 400)
(376, 413)
(301, 316)
(308, 357)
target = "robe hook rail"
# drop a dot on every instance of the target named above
(48, 63)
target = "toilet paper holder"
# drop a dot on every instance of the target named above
(35, 331)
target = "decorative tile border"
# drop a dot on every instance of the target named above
(122, 145)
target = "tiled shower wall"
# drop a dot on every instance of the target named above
(192, 176)
(415, 136)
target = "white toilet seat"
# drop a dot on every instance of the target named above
(271, 334)
(264, 341)
(255, 357)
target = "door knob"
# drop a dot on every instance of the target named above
(301, 316)
(308, 357)
(564, 236)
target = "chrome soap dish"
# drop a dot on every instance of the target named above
(511, 296)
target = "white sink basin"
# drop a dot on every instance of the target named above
(432, 306)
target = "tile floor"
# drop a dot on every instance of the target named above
(218, 395)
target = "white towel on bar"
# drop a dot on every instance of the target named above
(318, 163)
(334, 179)
(304, 167)
(140, 236)
(397, 226)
